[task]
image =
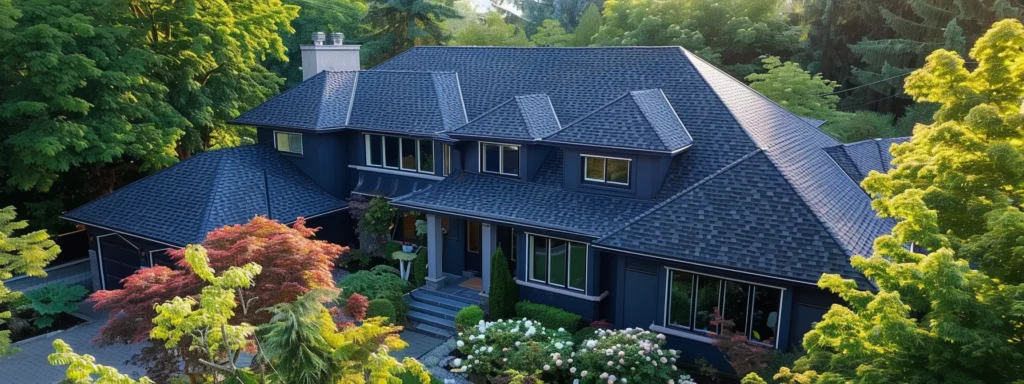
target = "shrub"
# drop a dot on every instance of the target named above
(419, 268)
(55, 300)
(633, 354)
(380, 282)
(355, 307)
(521, 345)
(381, 308)
(549, 316)
(584, 334)
(469, 317)
(504, 293)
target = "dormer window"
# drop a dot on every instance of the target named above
(407, 154)
(606, 170)
(288, 142)
(497, 158)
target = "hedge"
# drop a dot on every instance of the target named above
(550, 317)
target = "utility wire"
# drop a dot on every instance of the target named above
(870, 102)
(879, 81)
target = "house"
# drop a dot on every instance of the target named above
(638, 185)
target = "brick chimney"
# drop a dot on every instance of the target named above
(328, 57)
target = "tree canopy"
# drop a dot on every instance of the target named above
(26, 253)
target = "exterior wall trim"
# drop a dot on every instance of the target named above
(705, 265)
(545, 287)
(391, 171)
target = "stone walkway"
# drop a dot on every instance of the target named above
(419, 345)
(30, 365)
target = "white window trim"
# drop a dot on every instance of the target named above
(501, 157)
(568, 278)
(629, 169)
(301, 144)
(693, 314)
(384, 152)
(401, 153)
(446, 161)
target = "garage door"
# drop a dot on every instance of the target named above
(119, 259)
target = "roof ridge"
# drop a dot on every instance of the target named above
(402, 71)
(658, 132)
(323, 98)
(587, 115)
(682, 193)
(522, 113)
(208, 207)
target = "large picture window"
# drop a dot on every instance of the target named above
(502, 159)
(288, 142)
(399, 153)
(557, 262)
(692, 299)
(606, 170)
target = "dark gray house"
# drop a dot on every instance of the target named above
(637, 185)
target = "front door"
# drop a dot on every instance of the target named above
(474, 244)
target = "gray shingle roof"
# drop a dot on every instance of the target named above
(534, 204)
(411, 102)
(745, 218)
(636, 120)
(180, 204)
(529, 117)
(860, 158)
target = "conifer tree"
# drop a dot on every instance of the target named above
(590, 24)
(504, 293)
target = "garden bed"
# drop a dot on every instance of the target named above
(61, 323)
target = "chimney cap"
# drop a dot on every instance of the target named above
(337, 38)
(318, 38)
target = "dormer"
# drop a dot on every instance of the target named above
(604, 150)
(504, 141)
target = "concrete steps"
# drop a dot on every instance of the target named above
(435, 311)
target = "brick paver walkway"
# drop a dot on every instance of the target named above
(30, 365)
(419, 345)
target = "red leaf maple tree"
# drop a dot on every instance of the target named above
(293, 263)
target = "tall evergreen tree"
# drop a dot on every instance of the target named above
(397, 25)
(590, 23)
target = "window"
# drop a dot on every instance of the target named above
(400, 153)
(606, 170)
(499, 158)
(447, 153)
(691, 302)
(408, 227)
(557, 262)
(288, 142)
(374, 150)
(426, 156)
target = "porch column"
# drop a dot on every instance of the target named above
(489, 240)
(435, 277)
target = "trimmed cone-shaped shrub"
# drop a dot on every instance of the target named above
(419, 268)
(469, 316)
(503, 290)
(381, 308)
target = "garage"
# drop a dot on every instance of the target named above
(119, 258)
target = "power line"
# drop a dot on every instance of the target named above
(879, 81)
(870, 102)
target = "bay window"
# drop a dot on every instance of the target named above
(557, 262)
(502, 159)
(692, 301)
(606, 170)
(394, 152)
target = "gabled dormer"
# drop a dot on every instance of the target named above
(605, 151)
(505, 141)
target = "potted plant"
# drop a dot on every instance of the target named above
(407, 247)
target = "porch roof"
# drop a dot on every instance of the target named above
(530, 204)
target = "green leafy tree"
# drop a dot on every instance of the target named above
(345, 16)
(796, 89)
(590, 24)
(375, 225)
(26, 253)
(551, 34)
(491, 31)
(397, 25)
(935, 318)
(81, 368)
(79, 93)
(503, 292)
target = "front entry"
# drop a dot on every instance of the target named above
(507, 242)
(474, 244)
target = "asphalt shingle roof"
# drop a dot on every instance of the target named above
(860, 158)
(529, 117)
(410, 102)
(545, 206)
(747, 218)
(180, 204)
(636, 120)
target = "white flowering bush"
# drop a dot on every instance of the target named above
(624, 356)
(521, 345)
